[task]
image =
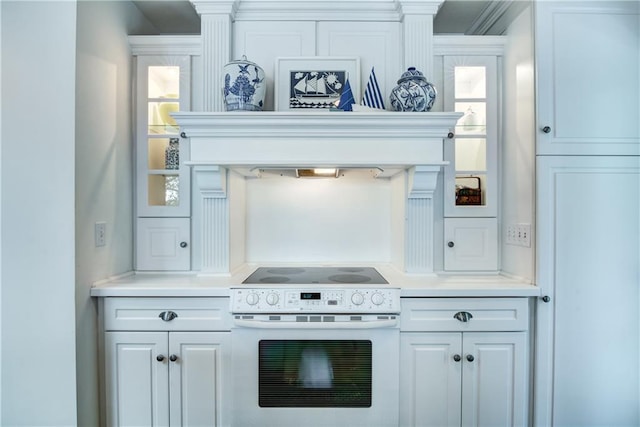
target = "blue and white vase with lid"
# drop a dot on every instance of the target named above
(244, 86)
(413, 93)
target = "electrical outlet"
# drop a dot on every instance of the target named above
(100, 233)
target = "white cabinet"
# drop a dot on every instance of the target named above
(587, 213)
(161, 378)
(471, 177)
(464, 362)
(587, 66)
(163, 244)
(163, 85)
(470, 244)
(588, 334)
(160, 373)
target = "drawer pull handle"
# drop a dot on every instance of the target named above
(463, 316)
(173, 357)
(168, 316)
(457, 358)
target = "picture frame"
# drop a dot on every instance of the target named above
(314, 83)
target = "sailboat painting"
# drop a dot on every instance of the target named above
(313, 83)
(315, 89)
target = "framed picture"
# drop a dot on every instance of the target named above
(314, 83)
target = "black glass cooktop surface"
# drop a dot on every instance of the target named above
(316, 275)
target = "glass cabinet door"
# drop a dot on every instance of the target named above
(163, 180)
(470, 177)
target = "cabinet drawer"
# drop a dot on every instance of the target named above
(144, 314)
(486, 314)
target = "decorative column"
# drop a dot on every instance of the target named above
(212, 183)
(418, 34)
(216, 17)
(419, 226)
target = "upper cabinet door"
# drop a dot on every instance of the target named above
(588, 77)
(163, 180)
(471, 177)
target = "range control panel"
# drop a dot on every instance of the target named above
(289, 300)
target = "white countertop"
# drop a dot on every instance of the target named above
(193, 284)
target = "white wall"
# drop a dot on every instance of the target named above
(104, 172)
(0, 220)
(38, 137)
(518, 144)
(318, 220)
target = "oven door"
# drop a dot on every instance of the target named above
(326, 375)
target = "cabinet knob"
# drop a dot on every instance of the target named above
(463, 316)
(450, 135)
(451, 244)
(160, 358)
(546, 298)
(470, 357)
(546, 129)
(183, 135)
(168, 316)
(183, 244)
(457, 357)
(173, 357)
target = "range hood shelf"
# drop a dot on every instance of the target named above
(386, 140)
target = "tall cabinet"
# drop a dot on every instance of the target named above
(471, 177)
(588, 213)
(163, 182)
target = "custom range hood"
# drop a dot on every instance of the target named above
(392, 144)
(388, 141)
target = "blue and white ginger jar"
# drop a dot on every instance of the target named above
(413, 93)
(244, 86)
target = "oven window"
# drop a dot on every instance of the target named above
(314, 373)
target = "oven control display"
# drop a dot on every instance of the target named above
(367, 300)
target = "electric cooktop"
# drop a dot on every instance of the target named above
(316, 275)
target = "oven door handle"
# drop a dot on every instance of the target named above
(276, 324)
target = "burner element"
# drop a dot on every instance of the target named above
(349, 278)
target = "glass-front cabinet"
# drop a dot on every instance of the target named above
(470, 184)
(163, 88)
(163, 184)
(471, 178)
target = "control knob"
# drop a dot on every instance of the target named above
(377, 298)
(357, 298)
(253, 298)
(272, 298)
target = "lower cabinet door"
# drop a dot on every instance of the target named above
(494, 379)
(471, 244)
(166, 378)
(163, 244)
(136, 378)
(198, 365)
(430, 386)
(465, 379)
